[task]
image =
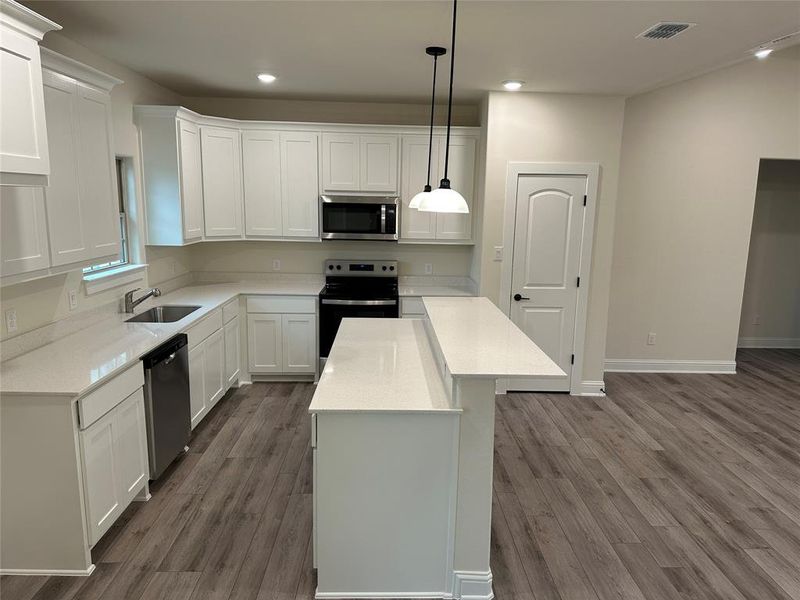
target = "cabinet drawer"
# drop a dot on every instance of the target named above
(97, 403)
(230, 310)
(412, 307)
(200, 331)
(282, 304)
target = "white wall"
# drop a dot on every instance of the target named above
(43, 301)
(553, 128)
(771, 303)
(690, 156)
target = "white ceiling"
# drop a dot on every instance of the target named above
(374, 50)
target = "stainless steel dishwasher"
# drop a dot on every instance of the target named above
(166, 402)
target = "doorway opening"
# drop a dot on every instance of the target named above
(770, 315)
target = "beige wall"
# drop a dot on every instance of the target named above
(690, 157)
(771, 304)
(43, 301)
(369, 113)
(297, 257)
(554, 128)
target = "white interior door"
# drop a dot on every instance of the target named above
(546, 263)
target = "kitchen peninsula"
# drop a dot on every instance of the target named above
(403, 438)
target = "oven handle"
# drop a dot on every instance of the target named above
(383, 218)
(360, 302)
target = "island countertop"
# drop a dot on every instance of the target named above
(477, 340)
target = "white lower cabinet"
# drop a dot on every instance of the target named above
(114, 454)
(299, 336)
(197, 394)
(232, 351)
(214, 368)
(282, 342)
(265, 347)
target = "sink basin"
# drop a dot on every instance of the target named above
(163, 314)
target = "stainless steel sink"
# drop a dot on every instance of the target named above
(163, 314)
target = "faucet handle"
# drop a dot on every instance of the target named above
(130, 292)
(156, 292)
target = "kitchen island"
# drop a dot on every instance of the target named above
(403, 439)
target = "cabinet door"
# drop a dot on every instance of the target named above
(378, 163)
(300, 184)
(461, 172)
(23, 231)
(231, 352)
(101, 477)
(214, 368)
(191, 180)
(96, 173)
(264, 343)
(261, 160)
(299, 343)
(341, 170)
(222, 181)
(66, 218)
(197, 388)
(131, 445)
(23, 137)
(416, 225)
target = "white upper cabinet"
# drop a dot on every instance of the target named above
(172, 175)
(81, 198)
(340, 162)
(261, 162)
(23, 231)
(300, 184)
(23, 131)
(416, 225)
(359, 163)
(222, 181)
(449, 228)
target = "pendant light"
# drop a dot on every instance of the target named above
(445, 199)
(435, 52)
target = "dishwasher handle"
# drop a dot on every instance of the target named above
(165, 352)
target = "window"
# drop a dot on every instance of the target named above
(123, 226)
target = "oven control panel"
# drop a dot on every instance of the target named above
(361, 268)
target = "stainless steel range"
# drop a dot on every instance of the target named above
(355, 288)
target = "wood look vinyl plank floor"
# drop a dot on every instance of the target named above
(672, 487)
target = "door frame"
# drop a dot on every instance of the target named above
(592, 173)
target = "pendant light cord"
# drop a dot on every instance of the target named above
(450, 95)
(430, 138)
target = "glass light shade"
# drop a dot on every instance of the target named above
(444, 200)
(417, 200)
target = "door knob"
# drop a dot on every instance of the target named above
(519, 297)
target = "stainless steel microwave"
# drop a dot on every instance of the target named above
(360, 217)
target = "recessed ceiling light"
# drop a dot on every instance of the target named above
(763, 52)
(512, 85)
(266, 78)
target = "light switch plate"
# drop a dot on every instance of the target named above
(11, 320)
(276, 264)
(498, 254)
(651, 339)
(428, 269)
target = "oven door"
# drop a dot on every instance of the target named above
(359, 218)
(333, 310)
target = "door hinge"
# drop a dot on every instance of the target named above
(584, 199)
(579, 282)
(572, 360)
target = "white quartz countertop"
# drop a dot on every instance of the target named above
(381, 365)
(77, 363)
(477, 340)
(434, 290)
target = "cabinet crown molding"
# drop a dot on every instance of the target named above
(24, 20)
(165, 111)
(63, 65)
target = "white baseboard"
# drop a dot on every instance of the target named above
(768, 342)
(50, 572)
(626, 365)
(590, 388)
(472, 585)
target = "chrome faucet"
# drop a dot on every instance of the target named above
(130, 303)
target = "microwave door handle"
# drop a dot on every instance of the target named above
(383, 218)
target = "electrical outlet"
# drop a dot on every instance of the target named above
(72, 296)
(428, 269)
(651, 339)
(498, 254)
(11, 320)
(757, 320)
(174, 266)
(276, 264)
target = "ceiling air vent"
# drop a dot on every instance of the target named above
(664, 31)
